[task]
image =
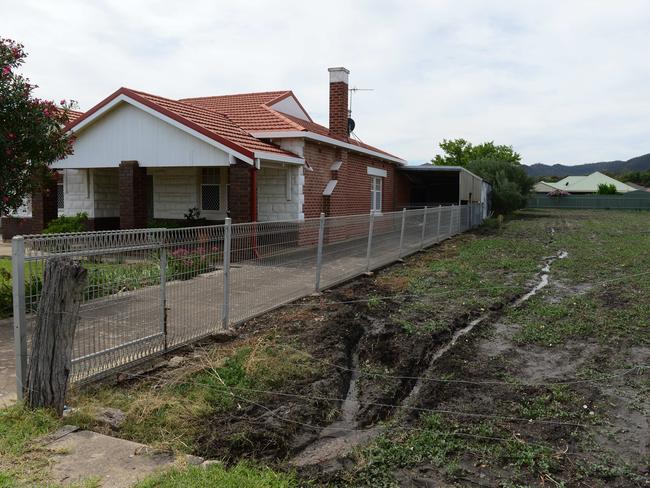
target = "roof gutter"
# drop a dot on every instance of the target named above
(328, 140)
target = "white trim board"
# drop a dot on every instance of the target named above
(317, 137)
(329, 188)
(377, 172)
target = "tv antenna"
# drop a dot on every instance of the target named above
(352, 91)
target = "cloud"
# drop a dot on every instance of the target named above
(560, 81)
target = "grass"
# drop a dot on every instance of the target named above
(443, 444)
(468, 274)
(601, 291)
(242, 475)
(20, 461)
(167, 413)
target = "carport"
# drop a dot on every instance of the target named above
(430, 185)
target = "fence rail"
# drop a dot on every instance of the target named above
(153, 290)
(613, 202)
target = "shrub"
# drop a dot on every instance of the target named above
(184, 264)
(63, 224)
(606, 189)
(510, 183)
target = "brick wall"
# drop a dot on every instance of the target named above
(15, 226)
(339, 110)
(402, 187)
(133, 203)
(352, 193)
(239, 194)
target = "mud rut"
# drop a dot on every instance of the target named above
(303, 432)
(341, 436)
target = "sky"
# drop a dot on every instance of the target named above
(561, 81)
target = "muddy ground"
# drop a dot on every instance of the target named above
(346, 422)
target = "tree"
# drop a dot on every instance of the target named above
(32, 131)
(498, 164)
(510, 183)
(459, 152)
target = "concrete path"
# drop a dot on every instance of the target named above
(7, 371)
(80, 455)
(5, 249)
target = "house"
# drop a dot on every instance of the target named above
(254, 157)
(638, 187)
(582, 184)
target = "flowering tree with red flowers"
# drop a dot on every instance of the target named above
(32, 133)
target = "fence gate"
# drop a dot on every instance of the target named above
(122, 315)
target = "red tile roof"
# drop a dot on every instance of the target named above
(74, 115)
(229, 119)
(253, 112)
(207, 122)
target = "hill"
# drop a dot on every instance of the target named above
(640, 163)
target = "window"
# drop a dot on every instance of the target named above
(375, 193)
(210, 189)
(60, 199)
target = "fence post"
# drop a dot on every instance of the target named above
(438, 236)
(452, 211)
(20, 324)
(319, 252)
(227, 238)
(401, 233)
(370, 230)
(163, 292)
(424, 226)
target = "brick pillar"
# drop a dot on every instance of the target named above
(133, 199)
(339, 102)
(44, 206)
(239, 192)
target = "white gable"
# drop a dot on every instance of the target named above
(128, 133)
(290, 106)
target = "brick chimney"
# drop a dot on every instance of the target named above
(339, 102)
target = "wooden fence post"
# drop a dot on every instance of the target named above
(56, 320)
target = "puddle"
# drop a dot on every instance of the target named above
(543, 278)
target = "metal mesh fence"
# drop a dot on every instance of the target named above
(151, 290)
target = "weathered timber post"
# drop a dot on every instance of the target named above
(56, 321)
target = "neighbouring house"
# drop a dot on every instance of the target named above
(638, 187)
(582, 184)
(254, 157)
